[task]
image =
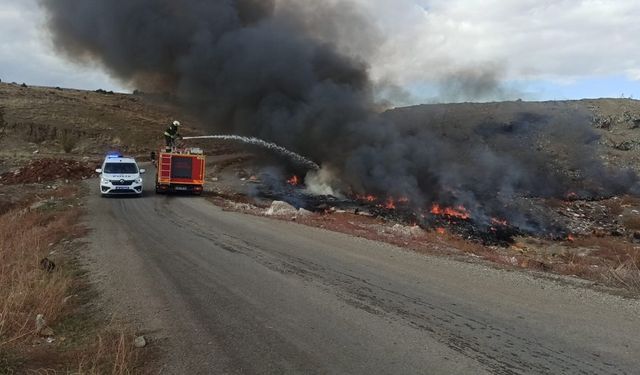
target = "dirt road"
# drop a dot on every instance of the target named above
(232, 293)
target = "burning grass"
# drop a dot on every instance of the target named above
(58, 293)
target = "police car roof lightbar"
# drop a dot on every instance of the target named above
(113, 154)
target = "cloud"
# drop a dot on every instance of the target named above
(533, 39)
(27, 55)
(417, 43)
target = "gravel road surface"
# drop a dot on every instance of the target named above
(223, 292)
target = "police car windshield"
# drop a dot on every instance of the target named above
(120, 168)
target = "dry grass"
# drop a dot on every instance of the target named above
(612, 260)
(625, 270)
(112, 353)
(632, 222)
(26, 290)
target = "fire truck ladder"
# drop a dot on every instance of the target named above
(164, 167)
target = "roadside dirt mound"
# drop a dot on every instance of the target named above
(42, 170)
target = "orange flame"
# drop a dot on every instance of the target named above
(441, 230)
(390, 204)
(571, 238)
(500, 222)
(403, 200)
(458, 212)
(367, 198)
(294, 181)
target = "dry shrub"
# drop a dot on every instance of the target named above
(627, 274)
(618, 260)
(632, 222)
(68, 142)
(3, 124)
(629, 200)
(36, 133)
(112, 353)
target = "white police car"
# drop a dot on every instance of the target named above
(120, 175)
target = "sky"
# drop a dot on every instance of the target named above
(433, 49)
(27, 54)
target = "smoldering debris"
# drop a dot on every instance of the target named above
(295, 73)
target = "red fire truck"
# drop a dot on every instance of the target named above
(180, 170)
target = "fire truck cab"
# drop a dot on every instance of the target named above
(180, 171)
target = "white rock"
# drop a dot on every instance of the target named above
(241, 206)
(409, 231)
(279, 208)
(40, 322)
(41, 327)
(303, 212)
(140, 342)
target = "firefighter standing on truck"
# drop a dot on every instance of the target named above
(171, 134)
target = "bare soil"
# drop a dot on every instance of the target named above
(49, 169)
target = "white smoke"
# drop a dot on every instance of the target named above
(322, 182)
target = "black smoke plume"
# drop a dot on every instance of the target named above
(295, 73)
(481, 83)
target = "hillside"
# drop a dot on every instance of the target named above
(88, 123)
(615, 121)
(44, 121)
